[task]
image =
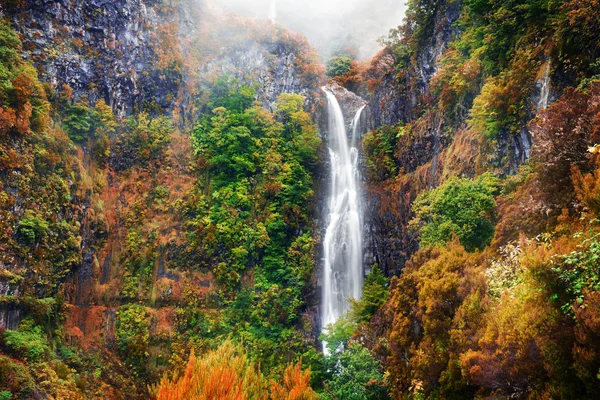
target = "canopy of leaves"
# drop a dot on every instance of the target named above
(460, 206)
(355, 375)
(339, 65)
(375, 292)
(252, 216)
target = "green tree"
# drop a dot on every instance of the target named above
(229, 93)
(356, 375)
(339, 65)
(80, 121)
(375, 292)
(460, 206)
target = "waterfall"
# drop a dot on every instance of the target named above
(544, 83)
(273, 11)
(343, 269)
(356, 125)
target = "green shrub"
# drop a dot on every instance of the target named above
(380, 147)
(578, 272)
(355, 375)
(460, 206)
(375, 292)
(338, 334)
(339, 65)
(230, 94)
(132, 334)
(32, 228)
(80, 121)
(27, 342)
(150, 137)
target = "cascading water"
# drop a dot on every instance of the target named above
(273, 11)
(343, 270)
(356, 126)
(544, 83)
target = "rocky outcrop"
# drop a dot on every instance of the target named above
(271, 59)
(349, 102)
(100, 49)
(146, 55)
(392, 101)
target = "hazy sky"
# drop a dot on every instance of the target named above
(330, 24)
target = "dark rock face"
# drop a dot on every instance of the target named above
(100, 49)
(387, 211)
(395, 102)
(10, 316)
(386, 106)
(270, 64)
(130, 53)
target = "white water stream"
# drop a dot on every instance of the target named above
(343, 271)
(544, 83)
(273, 11)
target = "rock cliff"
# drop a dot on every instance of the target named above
(112, 50)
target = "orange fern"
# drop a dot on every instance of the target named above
(223, 374)
(296, 385)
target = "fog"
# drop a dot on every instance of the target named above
(332, 26)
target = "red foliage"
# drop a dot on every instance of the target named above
(564, 170)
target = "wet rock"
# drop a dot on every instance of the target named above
(101, 49)
(10, 316)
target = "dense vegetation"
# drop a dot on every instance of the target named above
(250, 220)
(80, 183)
(226, 373)
(496, 296)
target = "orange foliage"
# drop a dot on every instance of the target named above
(87, 326)
(526, 341)
(8, 119)
(223, 374)
(296, 385)
(381, 65)
(227, 374)
(565, 174)
(586, 350)
(431, 318)
(353, 79)
(456, 80)
(582, 17)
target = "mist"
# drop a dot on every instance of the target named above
(332, 26)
